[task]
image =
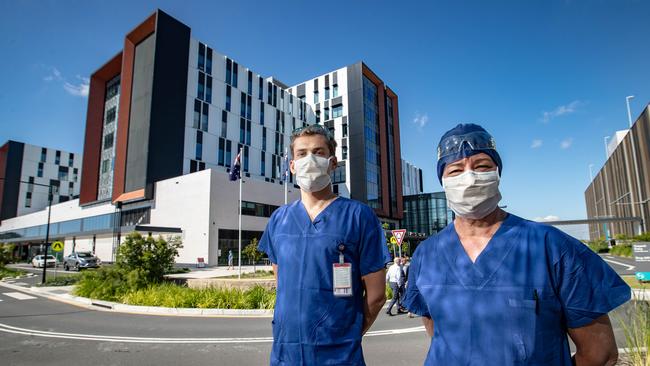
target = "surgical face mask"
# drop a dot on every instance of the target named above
(472, 195)
(312, 172)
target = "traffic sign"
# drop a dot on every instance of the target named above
(393, 240)
(399, 235)
(57, 246)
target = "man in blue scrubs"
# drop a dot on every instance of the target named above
(495, 289)
(328, 255)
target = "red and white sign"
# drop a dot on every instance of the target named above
(399, 234)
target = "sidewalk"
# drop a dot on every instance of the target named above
(214, 272)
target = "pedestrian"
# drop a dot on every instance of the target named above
(230, 260)
(328, 255)
(395, 279)
(496, 289)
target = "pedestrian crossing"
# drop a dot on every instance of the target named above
(18, 296)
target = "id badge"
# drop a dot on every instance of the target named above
(342, 279)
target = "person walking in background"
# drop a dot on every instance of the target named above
(394, 277)
(230, 260)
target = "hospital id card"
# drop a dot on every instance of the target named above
(342, 279)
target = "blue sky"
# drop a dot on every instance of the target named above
(547, 78)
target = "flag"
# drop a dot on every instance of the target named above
(235, 171)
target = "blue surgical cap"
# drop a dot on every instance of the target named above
(466, 151)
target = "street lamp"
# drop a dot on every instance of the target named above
(47, 230)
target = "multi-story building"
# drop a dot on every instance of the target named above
(426, 213)
(411, 179)
(621, 189)
(168, 107)
(27, 171)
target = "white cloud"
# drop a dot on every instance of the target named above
(55, 74)
(566, 143)
(421, 119)
(547, 218)
(561, 111)
(78, 90)
(536, 143)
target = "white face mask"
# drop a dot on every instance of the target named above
(472, 195)
(312, 172)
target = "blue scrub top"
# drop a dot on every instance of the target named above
(514, 304)
(310, 325)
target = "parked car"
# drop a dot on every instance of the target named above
(37, 261)
(80, 260)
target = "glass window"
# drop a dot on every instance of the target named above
(201, 62)
(204, 118)
(199, 145)
(208, 62)
(228, 153)
(220, 157)
(110, 115)
(39, 173)
(263, 163)
(250, 82)
(228, 97)
(235, 74)
(249, 107)
(327, 93)
(260, 92)
(197, 114)
(335, 91)
(108, 141)
(261, 113)
(327, 113)
(71, 159)
(200, 91)
(264, 138)
(316, 97)
(228, 71)
(28, 199)
(208, 89)
(345, 129)
(63, 173)
(224, 123)
(242, 105)
(242, 130)
(106, 164)
(248, 133)
(43, 154)
(57, 158)
(337, 111)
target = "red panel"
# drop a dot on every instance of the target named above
(383, 145)
(398, 154)
(132, 39)
(94, 124)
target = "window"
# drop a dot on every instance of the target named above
(345, 130)
(228, 71)
(263, 138)
(110, 115)
(261, 113)
(249, 107)
(57, 158)
(201, 62)
(235, 74)
(250, 82)
(345, 152)
(248, 133)
(269, 94)
(316, 97)
(224, 123)
(208, 89)
(199, 145)
(197, 114)
(220, 157)
(260, 92)
(106, 164)
(275, 96)
(193, 166)
(200, 91)
(242, 130)
(71, 159)
(257, 209)
(28, 199)
(335, 91)
(263, 164)
(327, 113)
(318, 116)
(204, 117)
(39, 173)
(70, 189)
(337, 111)
(112, 88)
(245, 158)
(75, 174)
(228, 153)
(228, 97)
(108, 141)
(242, 105)
(43, 154)
(208, 61)
(327, 93)
(201, 165)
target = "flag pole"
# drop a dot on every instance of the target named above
(286, 175)
(239, 211)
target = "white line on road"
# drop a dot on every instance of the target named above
(93, 337)
(19, 295)
(629, 267)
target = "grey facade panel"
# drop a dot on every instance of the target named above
(356, 136)
(335, 79)
(11, 182)
(300, 90)
(336, 101)
(140, 116)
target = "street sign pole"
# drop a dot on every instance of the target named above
(399, 237)
(47, 232)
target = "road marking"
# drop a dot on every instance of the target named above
(102, 338)
(629, 267)
(19, 295)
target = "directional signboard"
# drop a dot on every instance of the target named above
(642, 258)
(57, 246)
(399, 235)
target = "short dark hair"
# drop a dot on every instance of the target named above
(312, 130)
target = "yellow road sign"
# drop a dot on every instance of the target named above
(393, 240)
(57, 246)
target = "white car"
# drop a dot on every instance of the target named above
(38, 261)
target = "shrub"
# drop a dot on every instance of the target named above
(107, 283)
(598, 246)
(251, 252)
(61, 281)
(623, 250)
(636, 329)
(8, 272)
(151, 257)
(643, 237)
(6, 253)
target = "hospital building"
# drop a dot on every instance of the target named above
(166, 117)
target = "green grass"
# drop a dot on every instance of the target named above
(178, 270)
(175, 296)
(622, 250)
(8, 272)
(61, 280)
(257, 274)
(636, 329)
(634, 283)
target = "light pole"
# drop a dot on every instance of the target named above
(47, 228)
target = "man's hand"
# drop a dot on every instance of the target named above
(595, 343)
(374, 298)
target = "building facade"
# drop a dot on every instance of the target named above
(426, 213)
(27, 171)
(621, 189)
(411, 179)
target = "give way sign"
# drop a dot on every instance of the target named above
(399, 235)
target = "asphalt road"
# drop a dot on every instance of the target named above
(38, 331)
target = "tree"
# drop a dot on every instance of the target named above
(251, 252)
(6, 253)
(147, 259)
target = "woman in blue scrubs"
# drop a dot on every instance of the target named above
(329, 255)
(495, 289)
